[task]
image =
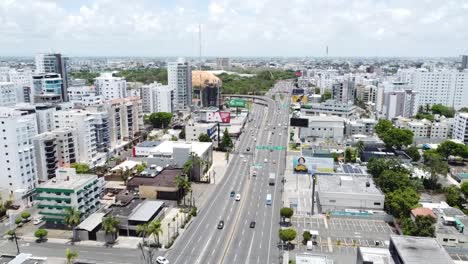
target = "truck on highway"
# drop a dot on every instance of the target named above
(271, 178)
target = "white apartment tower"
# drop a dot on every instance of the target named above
(343, 90)
(110, 87)
(180, 80)
(82, 123)
(7, 94)
(447, 87)
(460, 127)
(17, 163)
(125, 120)
(54, 63)
(400, 103)
(156, 97)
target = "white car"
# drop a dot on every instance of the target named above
(237, 197)
(241, 155)
(266, 160)
(162, 260)
(37, 221)
(245, 160)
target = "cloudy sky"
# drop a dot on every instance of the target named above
(234, 27)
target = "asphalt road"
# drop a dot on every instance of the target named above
(237, 242)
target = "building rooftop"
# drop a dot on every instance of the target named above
(145, 210)
(126, 165)
(167, 147)
(421, 211)
(323, 118)
(72, 183)
(91, 222)
(149, 144)
(157, 177)
(420, 250)
(376, 255)
(348, 183)
(306, 258)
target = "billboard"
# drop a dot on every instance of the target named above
(298, 91)
(237, 103)
(300, 98)
(222, 117)
(299, 122)
(309, 165)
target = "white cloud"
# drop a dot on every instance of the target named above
(235, 27)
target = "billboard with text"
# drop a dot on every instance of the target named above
(306, 164)
(222, 117)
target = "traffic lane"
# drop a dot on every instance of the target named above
(192, 231)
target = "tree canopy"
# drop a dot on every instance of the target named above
(287, 235)
(423, 226)
(261, 82)
(440, 109)
(397, 137)
(226, 142)
(204, 138)
(377, 166)
(382, 127)
(145, 76)
(81, 168)
(449, 148)
(286, 212)
(400, 202)
(413, 152)
(390, 181)
(325, 96)
(160, 119)
(434, 164)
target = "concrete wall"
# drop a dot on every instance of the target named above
(349, 201)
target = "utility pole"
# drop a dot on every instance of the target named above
(314, 178)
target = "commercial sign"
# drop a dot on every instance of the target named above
(222, 117)
(237, 103)
(299, 122)
(211, 131)
(300, 98)
(305, 164)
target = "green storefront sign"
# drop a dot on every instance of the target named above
(269, 147)
(237, 103)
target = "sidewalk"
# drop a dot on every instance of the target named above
(121, 242)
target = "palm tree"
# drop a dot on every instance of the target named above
(360, 147)
(154, 228)
(70, 255)
(142, 230)
(110, 226)
(72, 218)
(183, 184)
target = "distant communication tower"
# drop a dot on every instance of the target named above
(326, 51)
(200, 45)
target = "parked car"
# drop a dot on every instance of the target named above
(38, 221)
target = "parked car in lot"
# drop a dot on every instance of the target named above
(221, 224)
(38, 221)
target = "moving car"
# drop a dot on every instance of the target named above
(248, 149)
(221, 224)
(252, 224)
(238, 197)
(162, 260)
(274, 161)
(266, 160)
(245, 160)
(233, 193)
(254, 174)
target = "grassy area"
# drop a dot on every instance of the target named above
(294, 147)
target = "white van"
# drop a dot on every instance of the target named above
(309, 245)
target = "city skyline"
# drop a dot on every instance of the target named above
(234, 28)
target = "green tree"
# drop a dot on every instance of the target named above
(376, 167)
(306, 236)
(73, 219)
(182, 134)
(18, 220)
(25, 215)
(390, 181)
(144, 75)
(423, 226)
(142, 230)
(41, 233)
(140, 167)
(183, 185)
(204, 138)
(397, 138)
(226, 142)
(70, 255)
(160, 119)
(174, 138)
(413, 152)
(382, 127)
(453, 196)
(360, 147)
(81, 168)
(449, 148)
(443, 110)
(463, 110)
(434, 165)
(154, 229)
(464, 189)
(84, 74)
(326, 96)
(287, 235)
(110, 226)
(400, 202)
(350, 155)
(286, 212)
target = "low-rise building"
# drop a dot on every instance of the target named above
(372, 255)
(327, 127)
(156, 183)
(330, 107)
(143, 149)
(340, 191)
(194, 129)
(83, 96)
(410, 249)
(66, 190)
(360, 127)
(307, 258)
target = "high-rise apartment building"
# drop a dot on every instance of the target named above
(180, 80)
(464, 61)
(7, 94)
(223, 63)
(460, 127)
(366, 93)
(54, 63)
(400, 103)
(125, 120)
(110, 87)
(82, 96)
(54, 149)
(44, 115)
(156, 97)
(17, 158)
(343, 90)
(447, 87)
(83, 123)
(47, 88)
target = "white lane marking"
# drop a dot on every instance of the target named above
(203, 251)
(250, 248)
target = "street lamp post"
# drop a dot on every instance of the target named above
(168, 231)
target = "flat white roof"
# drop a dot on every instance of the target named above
(167, 147)
(90, 223)
(126, 165)
(145, 210)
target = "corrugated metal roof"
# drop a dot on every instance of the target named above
(144, 211)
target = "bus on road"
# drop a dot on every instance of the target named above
(268, 199)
